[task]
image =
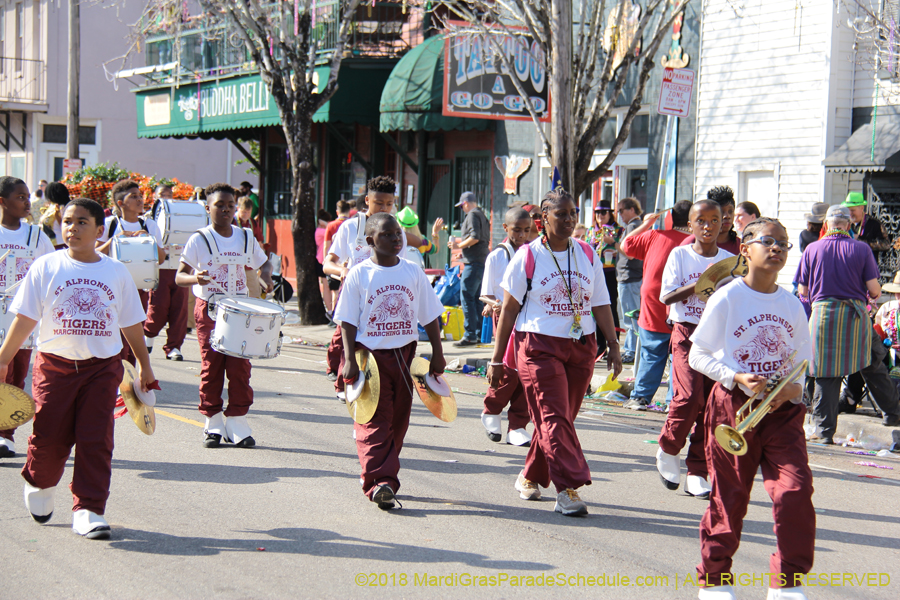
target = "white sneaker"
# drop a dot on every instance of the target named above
(697, 486)
(518, 437)
(90, 525)
(719, 592)
(175, 354)
(237, 429)
(669, 467)
(7, 448)
(794, 593)
(149, 343)
(39, 502)
(492, 426)
(570, 504)
(528, 490)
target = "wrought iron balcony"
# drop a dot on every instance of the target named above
(22, 80)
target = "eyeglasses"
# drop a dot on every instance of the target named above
(602, 211)
(768, 241)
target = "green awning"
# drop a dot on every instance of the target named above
(413, 94)
(360, 83)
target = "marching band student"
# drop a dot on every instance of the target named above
(749, 332)
(517, 224)
(22, 244)
(82, 299)
(168, 302)
(350, 248)
(382, 301)
(214, 261)
(126, 221)
(554, 293)
(683, 268)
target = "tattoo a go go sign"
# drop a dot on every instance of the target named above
(675, 92)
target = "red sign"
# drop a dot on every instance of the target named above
(675, 92)
(70, 165)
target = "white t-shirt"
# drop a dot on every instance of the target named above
(123, 225)
(750, 332)
(348, 248)
(547, 309)
(81, 306)
(197, 254)
(17, 239)
(386, 303)
(684, 266)
(494, 267)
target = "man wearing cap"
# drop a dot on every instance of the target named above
(863, 227)
(475, 233)
(835, 274)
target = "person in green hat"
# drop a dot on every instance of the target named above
(409, 221)
(866, 228)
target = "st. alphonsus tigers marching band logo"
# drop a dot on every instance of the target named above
(83, 313)
(765, 353)
(556, 299)
(391, 316)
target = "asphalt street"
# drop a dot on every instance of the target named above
(287, 519)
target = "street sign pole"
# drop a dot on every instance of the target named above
(674, 101)
(664, 164)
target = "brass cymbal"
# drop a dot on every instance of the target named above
(362, 409)
(142, 415)
(718, 274)
(16, 406)
(443, 407)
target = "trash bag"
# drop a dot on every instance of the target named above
(448, 287)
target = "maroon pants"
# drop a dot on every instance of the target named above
(378, 442)
(75, 402)
(127, 354)
(213, 369)
(168, 304)
(555, 374)
(690, 390)
(509, 392)
(777, 447)
(18, 371)
(334, 358)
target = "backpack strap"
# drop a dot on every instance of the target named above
(34, 236)
(587, 250)
(508, 249)
(529, 271)
(112, 228)
(204, 233)
(143, 225)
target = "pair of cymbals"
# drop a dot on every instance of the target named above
(16, 407)
(434, 392)
(719, 274)
(138, 402)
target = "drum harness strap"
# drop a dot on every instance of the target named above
(231, 261)
(115, 223)
(34, 236)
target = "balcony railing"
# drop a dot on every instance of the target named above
(382, 31)
(22, 80)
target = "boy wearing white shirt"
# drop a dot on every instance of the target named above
(214, 261)
(517, 224)
(83, 301)
(383, 300)
(683, 268)
(753, 330)
(21, 244)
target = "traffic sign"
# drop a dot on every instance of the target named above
(70, 165)
(675, 92)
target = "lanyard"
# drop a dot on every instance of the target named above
(566, 283)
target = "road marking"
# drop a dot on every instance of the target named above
(177, 418)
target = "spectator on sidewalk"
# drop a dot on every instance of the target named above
(629, 273)
(475, 233)
(814, 221)
(605, 236)
(744, 214)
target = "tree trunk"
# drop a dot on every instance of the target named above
(562, 144)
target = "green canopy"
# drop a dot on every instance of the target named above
(414, 93)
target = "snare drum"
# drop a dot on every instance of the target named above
(178, 221)
(140, 257)
(248, 328)
(7, 318)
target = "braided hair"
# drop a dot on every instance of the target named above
(724, 195)
(551, 200)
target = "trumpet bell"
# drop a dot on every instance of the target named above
(731, 440)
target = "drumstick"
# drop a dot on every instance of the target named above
(15, 285)
(5, 254)
(489, 301)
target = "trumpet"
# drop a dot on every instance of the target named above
(732, 438)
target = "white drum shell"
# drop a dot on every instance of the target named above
(174, 252)
(140, 257)
(248, 328)
(178, 221)
(7, 318)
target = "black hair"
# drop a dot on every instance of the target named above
(382, 184)
(8, 185)
(749, 208)
(554, 198)
(121, 189)
(246, 184)
(57, 193)
(703, 204)
(92, 206)
(39, 193)
(515, 214)
(361, 203)
(324, 215)
(681, 213)
(373, 223)
(754, 226)
(722, 194)
(218, 188)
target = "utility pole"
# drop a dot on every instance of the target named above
(562, 133)
(74, 77)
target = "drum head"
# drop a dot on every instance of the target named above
(16, 407)
(254, 305)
